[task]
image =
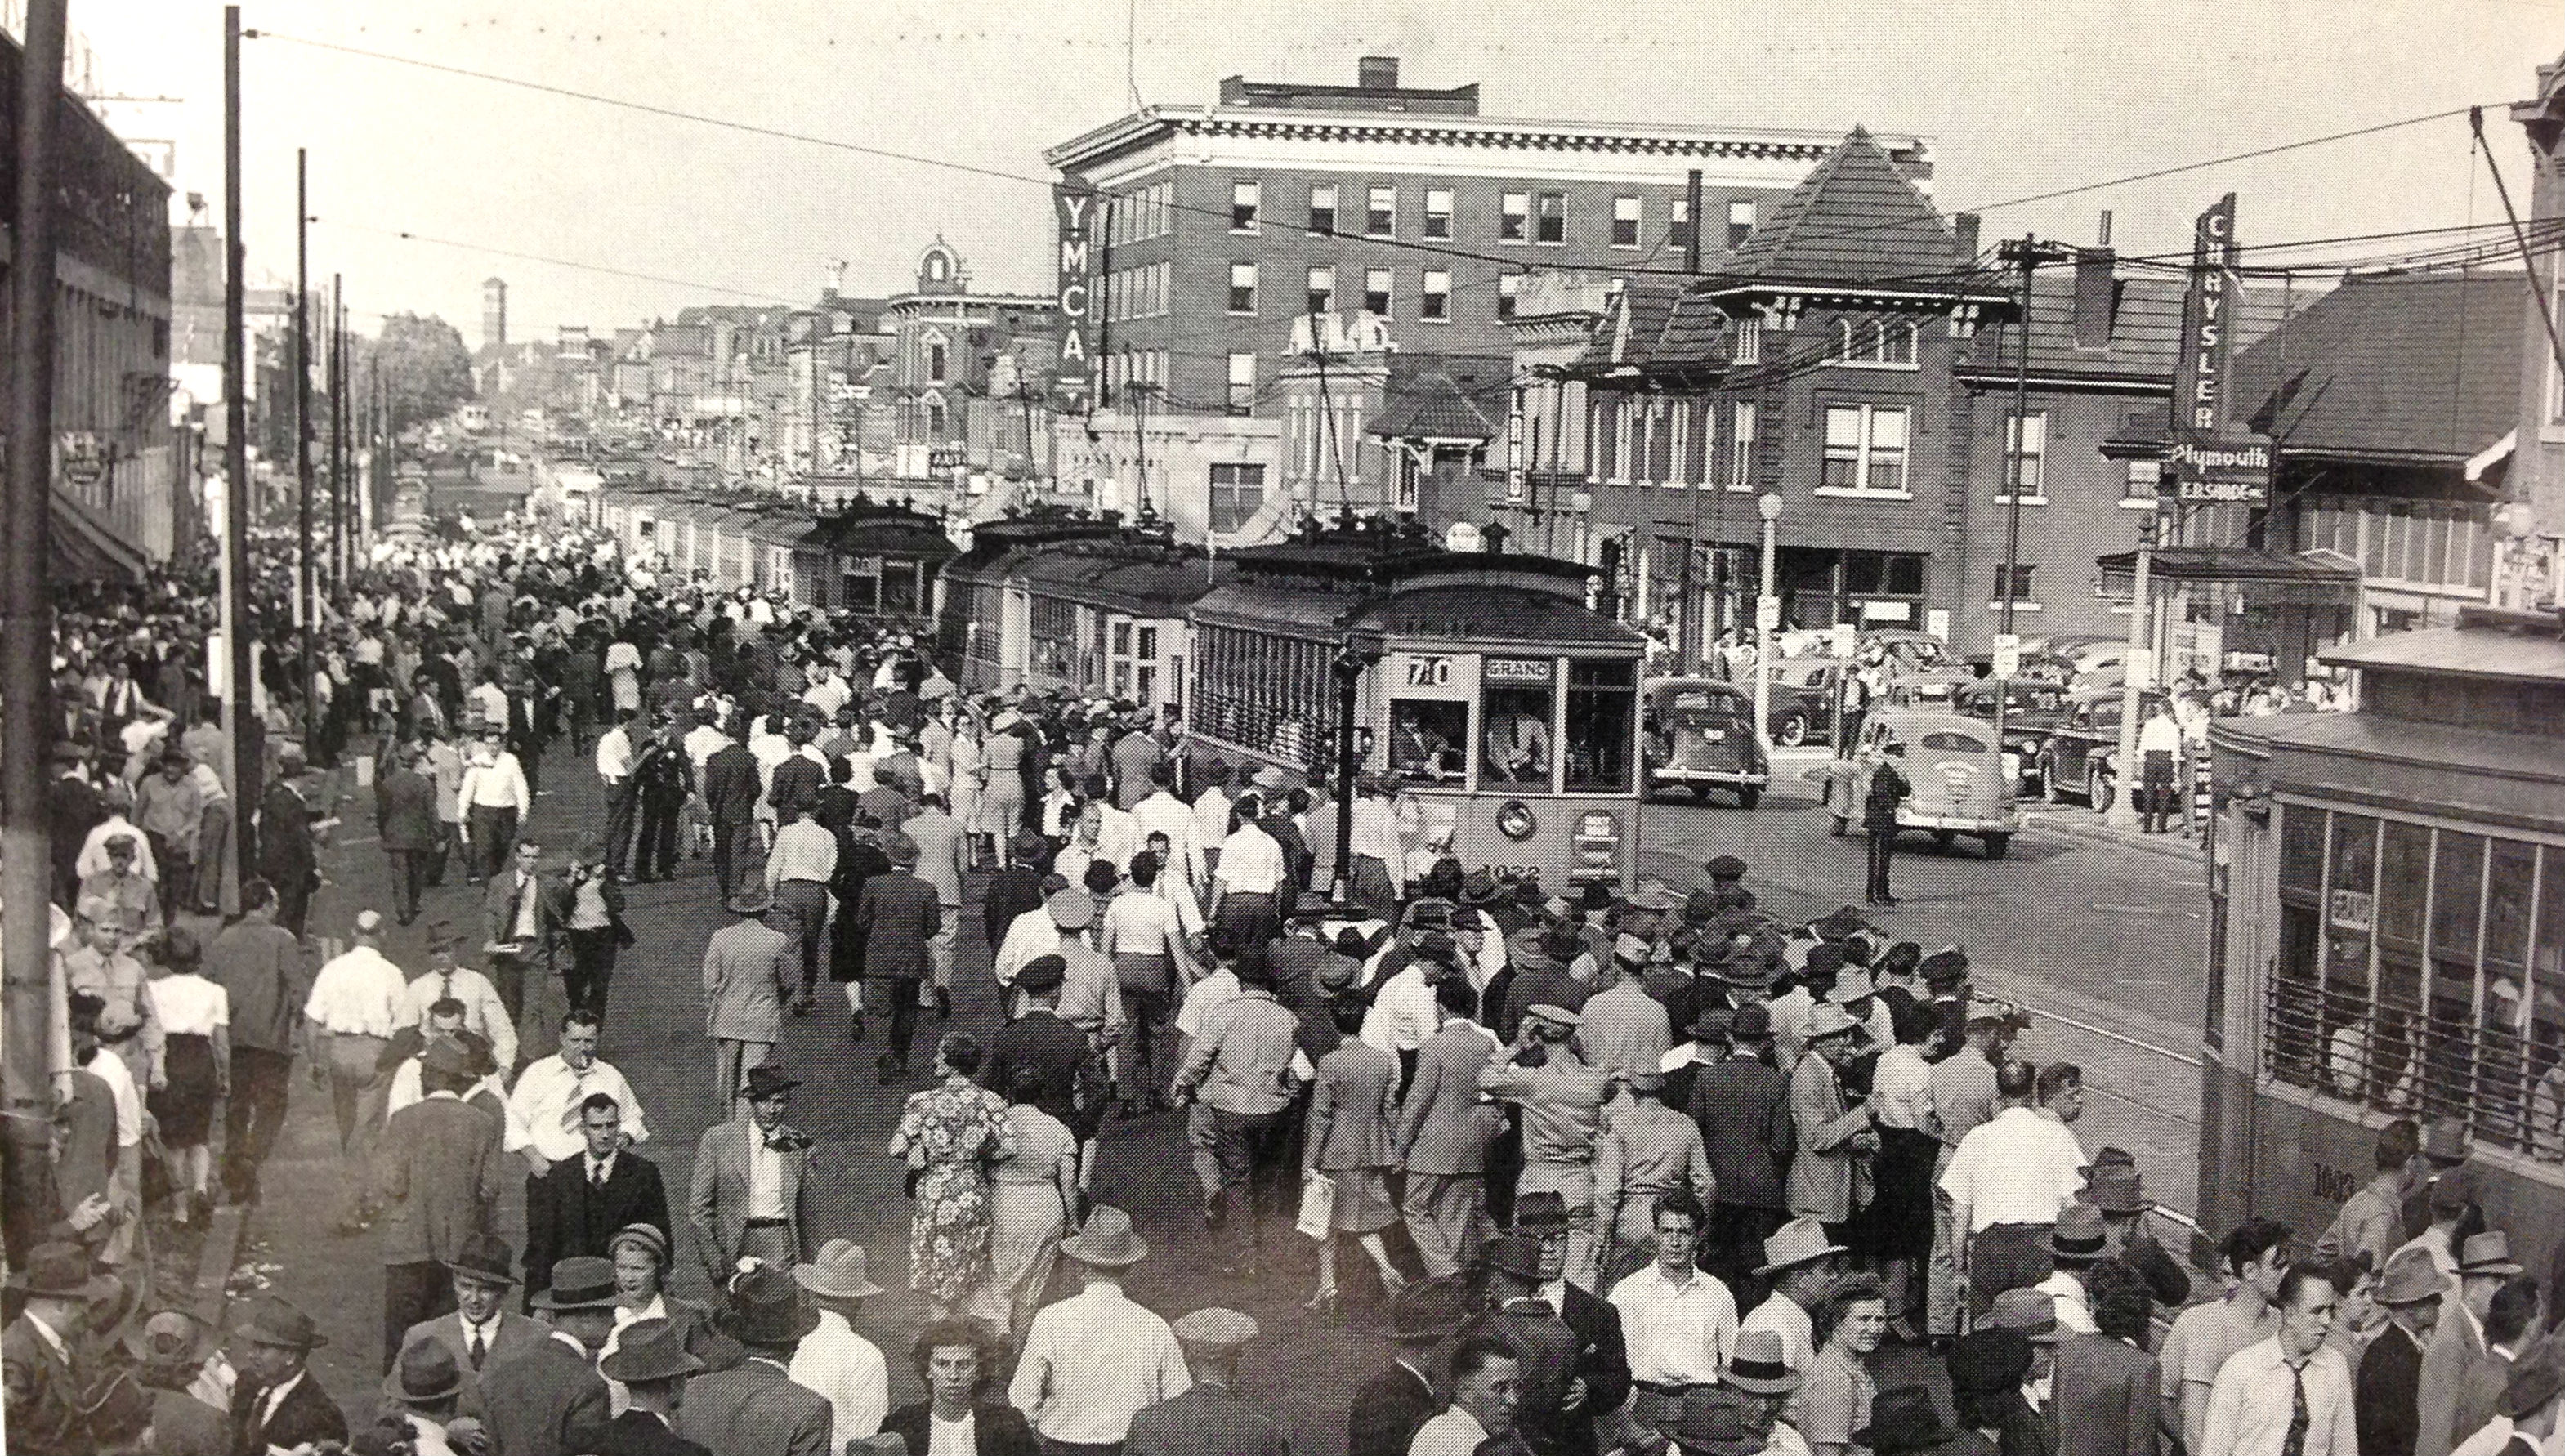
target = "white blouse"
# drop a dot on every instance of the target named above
(191, 1006)
(952, 1437)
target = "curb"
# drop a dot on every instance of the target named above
(2170, 846)
(214, 1264)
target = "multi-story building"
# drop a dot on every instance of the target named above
(1226, 223)
(967, 373)
(1368, 428)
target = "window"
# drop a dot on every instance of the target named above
(1865, 449)
(1322, 208)
(2029, 434)
(1436, 301)
(1514, 217)
(1521, 699)
(1678, 223)
(1700, 422)
(1244, 200)
(1740, 449)
(1897, 344)
(1242, 383)
(1740, 222)
(1236, 494)
(1380, 219)
(1625, 222)
(935, 419)
(1553, 226)
(1750, 339)
(1437, 212)
(1602, 701)
(1241, 288)
(1508, 291)
(1376, 291)
(1427, 737)
(1659, 456)
(1607, 452)
(2023, 595)
(1322, 288)
(1873, 343)
(935, 362)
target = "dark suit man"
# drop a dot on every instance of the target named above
(2107, 1402)
(755, 1409)
(436, 1182)
(1743, 1108)
(43, 1383)
(1887, 788)
(2384, 1395)
(537, 1401)
(479, 1332)
(73, 809)
(577, 1204)
(1389, 1407)
(405, 818)
(1040, 1042)
(640, 1433)
(1013, 890)
(730, 802)
(530, 729)
(1602, 1357)
(1209, 1419)
(286, 857)
(515, 899)
(276, 1401)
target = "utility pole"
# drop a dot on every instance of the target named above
(2026, 254)
(307, 596)
(342, 558)
(242, 730)
(1688, 649)
(27, 1054)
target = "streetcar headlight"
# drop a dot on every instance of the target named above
(1515, 821)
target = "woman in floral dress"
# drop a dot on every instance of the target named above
(951, 1134)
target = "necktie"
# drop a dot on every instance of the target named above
(480, 1348)
(597, 1176)
(2295, 1442)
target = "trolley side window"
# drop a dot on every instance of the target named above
(1425, 740)
(1515, 721)
(1602, 705)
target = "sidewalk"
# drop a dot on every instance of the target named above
(2085, 825)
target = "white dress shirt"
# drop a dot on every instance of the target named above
(1455, 1433)
(1250, 862)
(765, 1176)
(2017, 1167)
(1678, 1334)
(1091, 1363)
(847, 1370)
(1163, 813)
(498, 783)
(614, 755)
(2250, 1404)
(360, 993)
(545, 1102)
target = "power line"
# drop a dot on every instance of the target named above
(406, 235)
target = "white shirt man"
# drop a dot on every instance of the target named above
(1163, 813)
(703, 741)
(484, 1014)
(495, 780)
(359, 993)
(2017, 1167)
(1404, 1013)
(548, 1092)
(1092, 1361)
(2252, 1404)
(1680, 1332)
(847, 1370)
(614, 757)
(828, 693)
(1250, 862)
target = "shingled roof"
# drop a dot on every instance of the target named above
(1855, 219)
(2393, 367)
(1433, 398)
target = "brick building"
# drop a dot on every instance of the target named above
(966, 373)
(1228, 222)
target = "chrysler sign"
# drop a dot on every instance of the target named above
(2207, 463)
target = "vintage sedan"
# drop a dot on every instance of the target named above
(2031, 711)
(2080, 756)
(1699, 735)
(1958, 775)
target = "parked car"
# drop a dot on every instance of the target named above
(1957, 775)
(1805, 693)
(2032, 710)
(2080, 755)
(1699, 735)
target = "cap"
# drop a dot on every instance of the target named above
(1215, 1330)
(1041, 975)
(1071, 909)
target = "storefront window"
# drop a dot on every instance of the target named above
(1425, 740)
(1514, 725)
(1602, 701)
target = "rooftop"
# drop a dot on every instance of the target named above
(2410, 368)
(1857, 218)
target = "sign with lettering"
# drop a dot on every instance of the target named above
(2207, 463)
(1517, 669)
(1075, 210)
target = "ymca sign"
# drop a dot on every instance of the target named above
(2206, 462)
(1076, 209)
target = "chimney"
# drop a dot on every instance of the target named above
(1964, 230)
(1377, 73)
(2097, 296)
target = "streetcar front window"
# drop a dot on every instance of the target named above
(1514, 722)
(1426, 740)
(1602, 699)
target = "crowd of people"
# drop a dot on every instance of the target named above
(1629, 1170)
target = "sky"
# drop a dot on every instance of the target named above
(2018, 99)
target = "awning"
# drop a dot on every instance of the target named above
(83, 550)
(2268, 578)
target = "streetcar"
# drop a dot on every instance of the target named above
(2386, 929)
(1501, 711)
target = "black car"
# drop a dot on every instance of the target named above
(2031, 711)
(2080, 755)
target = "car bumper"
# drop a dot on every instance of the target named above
(1965, 823)
(1719, 777)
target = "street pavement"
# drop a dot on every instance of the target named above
(2106, 933)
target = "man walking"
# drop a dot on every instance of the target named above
(259, 965)
(518, 916)
(578, 1203)
(1240, 1065)
(405, 819)
(616, 756)
(495, 803)
(2288, 1394)
(1443, 1134)
(664, 776)
(436, 1183)
(751, 1193)
(1092, 1361)
(730, 802)
(286, 854)
(748, 975)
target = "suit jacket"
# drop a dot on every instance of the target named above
(1827, 1175)
(796, 781)
(1010, 892)
(405, 812)
(730, 784)
(2022, 1431)
(307, 1414)
(1602, 1357)
(285, 854)
(755, 1410)
(897, 913)
(1000, 1429)
(499, 911)
(1055, 1051)
(747, 965)
(566, 1215)
(2106, 1399)
(44, 1405)
(635, 1433)
(2456, 1348)
(182, 1425)
(1207, 1420)
(940, 851)
(717, 1203)
(1387, 1411)
(2383, 1393)
(517, 1335)
(1443, 1126)
(536, 1399)
(436, 1177)
(2480, 1397)
(1743, 1108)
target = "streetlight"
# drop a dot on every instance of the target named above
(1768, 617)
(1359, 650)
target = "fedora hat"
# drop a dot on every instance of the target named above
(2028, 1312)
(2117, 1190)
(172, 1340)
(1429, 1309)
(274, 1320)
(2537, 1379)
(1107, 1241)
(2488, 1255)
(2077, 1235)
(1844, 920)
(1826, 1020)
(426, 1370)
(1948, 966)
(1214, 1330)
(1652, 896)
(1851, 986)
(764, 1081)
(1540, 1213)
(1554, 1014)
(1986, 1361)
(582, 1282)
(750, 899)
(1758, 1366)
(838, 1274)
(1481, 888)
(650, 1349)
(1712, 1422)
(1712, 1023)
(485, 1259)
(1724, 867)
(767, 1308)
(2445, 1140)
(1338, 973)
(1904, 1420)
(2410, 1277)
(1514, 1254)
(61, 1271)
(1752, 1023)
(1800, 1241)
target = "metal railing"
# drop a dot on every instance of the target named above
(2389, 1055)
